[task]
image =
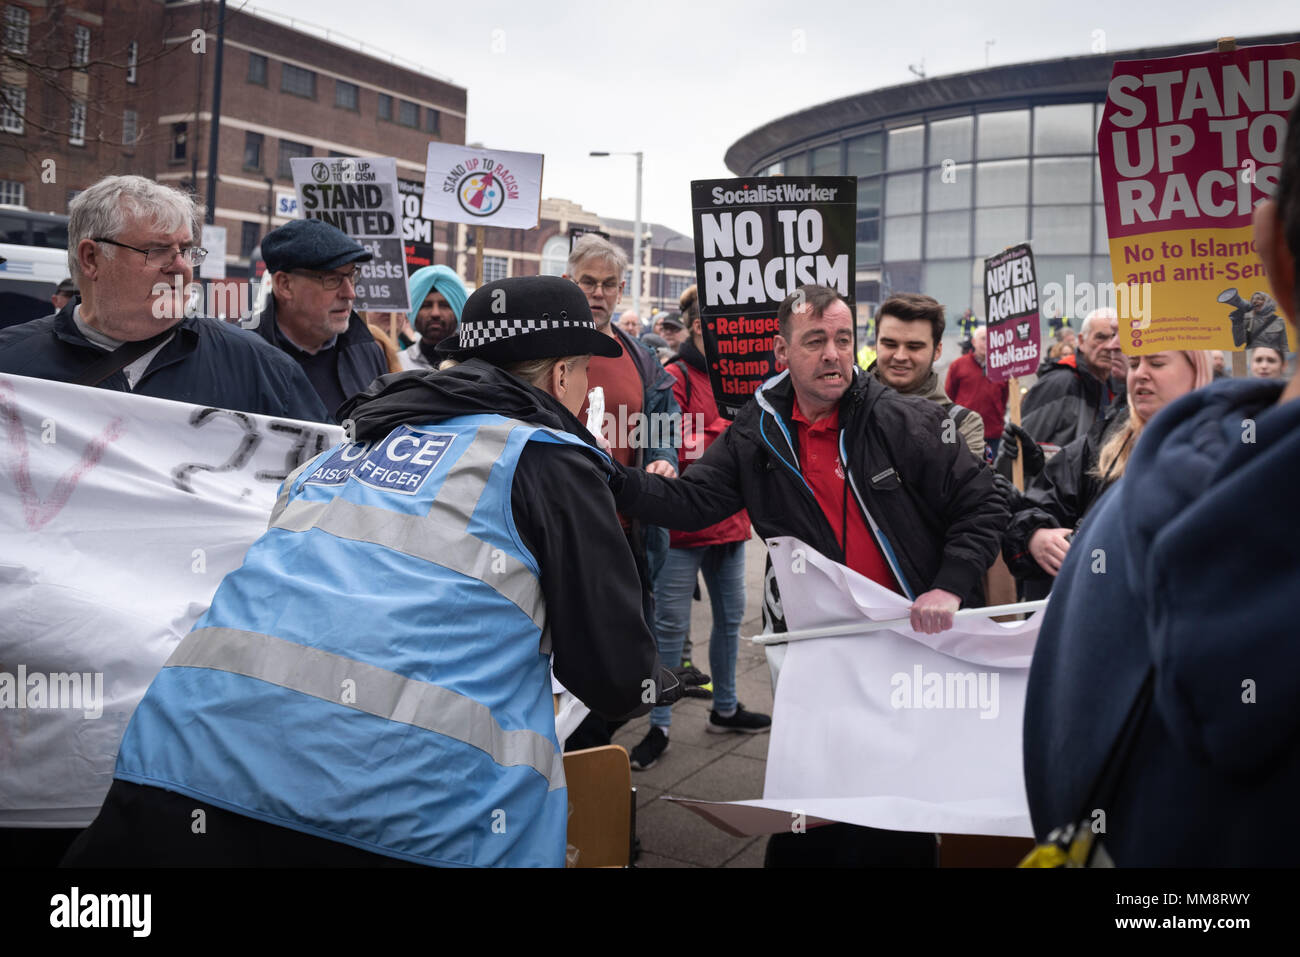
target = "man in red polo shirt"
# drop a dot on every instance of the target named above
(861, 473)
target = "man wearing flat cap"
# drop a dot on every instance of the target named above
(314, 268)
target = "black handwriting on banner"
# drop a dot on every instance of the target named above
(307, 442)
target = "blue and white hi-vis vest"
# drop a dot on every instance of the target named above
(375, 672)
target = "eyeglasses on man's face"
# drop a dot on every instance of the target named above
(608, 287)
(331, 280)
(160, 257)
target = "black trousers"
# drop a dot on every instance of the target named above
(35, 846)
(141, 826)
(848, 845)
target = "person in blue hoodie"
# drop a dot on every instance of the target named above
(1185, 575)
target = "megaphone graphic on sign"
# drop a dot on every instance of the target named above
(1229, 297)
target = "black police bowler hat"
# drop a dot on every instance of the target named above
(531, 317)
(310, 244)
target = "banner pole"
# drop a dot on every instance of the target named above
(1013, 406)
(857, 628)
(478, 256)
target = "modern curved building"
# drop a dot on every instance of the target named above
(953, 168)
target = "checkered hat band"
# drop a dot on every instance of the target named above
(481, 333)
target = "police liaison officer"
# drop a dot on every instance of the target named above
(371, 686)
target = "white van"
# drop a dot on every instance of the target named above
(35, 249)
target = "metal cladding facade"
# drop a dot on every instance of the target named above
(952, 169)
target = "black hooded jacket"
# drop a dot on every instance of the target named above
(1059, 497)
(564, 514)
(1064, 403)
(939, 514)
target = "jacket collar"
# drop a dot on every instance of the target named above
(693, 357)
(927, 388)
(775, 399)
(268, 327)
(66, 330)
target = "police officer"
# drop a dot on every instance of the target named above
(372, 686)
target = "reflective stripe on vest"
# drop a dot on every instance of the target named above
(421, 538)
(374, 672)
(382, 693)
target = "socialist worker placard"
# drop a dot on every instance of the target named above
(756, 241)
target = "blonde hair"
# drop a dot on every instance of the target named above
(536, 371)
(1114, 455)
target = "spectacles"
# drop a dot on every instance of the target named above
(331, 280)
(162, 256)
(590, 285)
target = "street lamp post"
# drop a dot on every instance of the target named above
(636, 230)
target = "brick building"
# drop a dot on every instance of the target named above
(667, 256)
(98, 87)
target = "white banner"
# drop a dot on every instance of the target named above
(893, 729)
(359, 196)
(466, 184)
(119, 516)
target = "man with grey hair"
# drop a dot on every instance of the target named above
(132, 254)
(637, 392)
(1073, 391)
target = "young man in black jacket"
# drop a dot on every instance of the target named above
(871, 478)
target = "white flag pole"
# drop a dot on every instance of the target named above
(857, 628)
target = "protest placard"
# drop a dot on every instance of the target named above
(417, 229)
(468, 184)
(1011, 311)
(1187, 146)
(756, 241)
(359, 196)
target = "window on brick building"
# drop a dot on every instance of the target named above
(253, 150)
(11, 193)
(249, 234)
(77, 125)
(297, 81)
(180, 142)
(130, 127)
(290, 150)
(346, 95)
(385, 106)
(132, 60)
(408, 114)
(13, 104)
(257, 69)
(495, 267)
(431, 122)
(17, 27)
(80, 46)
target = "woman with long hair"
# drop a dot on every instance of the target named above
(1038, 537)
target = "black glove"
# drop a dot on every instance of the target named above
(674, 683)
(1012, 439)
(1010, 494)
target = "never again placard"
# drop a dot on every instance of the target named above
(360, 198)
(1011, 307)
(757, 241)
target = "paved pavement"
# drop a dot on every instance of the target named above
(697, 764)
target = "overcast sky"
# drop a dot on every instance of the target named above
(681, 81)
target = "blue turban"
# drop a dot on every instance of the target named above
(441, 279)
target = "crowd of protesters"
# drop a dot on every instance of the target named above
(880, 468)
